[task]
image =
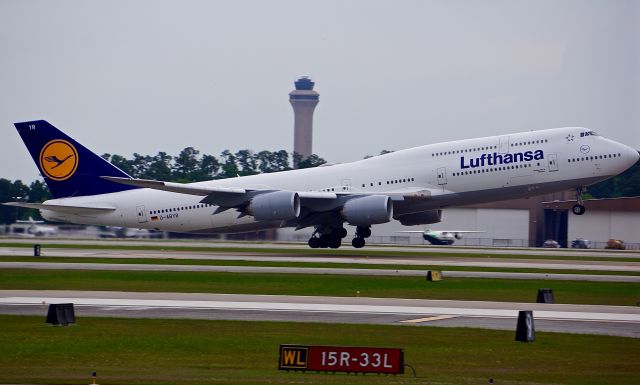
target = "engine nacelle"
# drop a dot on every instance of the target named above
(277, 205)
(421, 218)
(368, 210)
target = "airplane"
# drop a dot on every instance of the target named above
(441, 237)
(411, 186)
(38, 229)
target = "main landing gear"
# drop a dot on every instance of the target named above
(361, 233)
(331, 237)
(578, 209)
(328, 237)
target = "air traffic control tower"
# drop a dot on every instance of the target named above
(304, 101)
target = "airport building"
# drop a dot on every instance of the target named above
(304, 101)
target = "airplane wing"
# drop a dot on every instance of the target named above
(311, 202)
(66, 209)
(225, 196)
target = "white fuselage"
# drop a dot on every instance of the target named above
(455, 173)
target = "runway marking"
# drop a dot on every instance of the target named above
(319, 307)
(428, 319)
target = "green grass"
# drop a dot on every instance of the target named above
(344, 252)
(156, 351)
(578, 292)
(221, 262)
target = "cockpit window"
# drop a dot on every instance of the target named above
(588, 133)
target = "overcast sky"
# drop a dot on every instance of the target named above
(148, 76)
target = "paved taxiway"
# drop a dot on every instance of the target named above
(593, 319)
(302, 246)
(430, 260)
(313, 270)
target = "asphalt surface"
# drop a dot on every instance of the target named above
(302, 246)
(591, 319)
(484, 262)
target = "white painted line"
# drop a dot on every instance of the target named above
(326, 308)
(428, 319)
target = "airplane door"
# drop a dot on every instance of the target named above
(142, 214)
(553, 162)
(504, 145)
(442, 175)
(346, 185)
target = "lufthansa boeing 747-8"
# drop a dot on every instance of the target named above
(411, 186)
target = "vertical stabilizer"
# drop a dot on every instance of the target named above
(68, 168)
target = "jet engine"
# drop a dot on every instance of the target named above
(368, 210)
(277, 205)
(421, 218)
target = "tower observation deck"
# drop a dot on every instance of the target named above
(303, 100)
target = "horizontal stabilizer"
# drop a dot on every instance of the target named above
(66, 209)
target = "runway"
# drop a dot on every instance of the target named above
(314, 270)
(593, 319)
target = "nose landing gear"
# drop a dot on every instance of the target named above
(579, 209)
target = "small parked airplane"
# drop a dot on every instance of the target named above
(441, 237)
(38, 229)
(411, 186)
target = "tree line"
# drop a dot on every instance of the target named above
(191, 166)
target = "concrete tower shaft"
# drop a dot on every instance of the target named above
(304, 101)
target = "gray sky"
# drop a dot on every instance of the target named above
(149, 76)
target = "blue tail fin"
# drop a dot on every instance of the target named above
(68, 168)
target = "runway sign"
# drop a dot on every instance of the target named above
(341, 359)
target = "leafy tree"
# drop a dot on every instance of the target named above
(11, 192)
(208, 168)
(122, 163)
(229, 166)
(312, 161)
(160, 167)
(186, 164)
(247, 162)
(281, 161)
(140, 165)
(38, 192)
(266, 161)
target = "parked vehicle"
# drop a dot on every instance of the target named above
(580, 243)
(550, 244)
(615, 244)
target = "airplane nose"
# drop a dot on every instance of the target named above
(631, 154)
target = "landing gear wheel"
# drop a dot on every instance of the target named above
(578, 209)
(342, 232)
(314, 243)
(357, 242)
(335, 242)
(325, 240)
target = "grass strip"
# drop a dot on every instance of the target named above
(220, 262)
(159, 351)
(345, 252)
(477, 289)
